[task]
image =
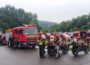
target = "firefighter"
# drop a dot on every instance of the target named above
(3, 38)
(51, 46)
(42, 39)
(7, 36)
(57, 43)
(51, 40)
(47, 37)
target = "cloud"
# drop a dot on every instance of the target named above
(52, 10)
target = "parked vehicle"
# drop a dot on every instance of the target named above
(23, 36)
(81, 44)
(64, 47)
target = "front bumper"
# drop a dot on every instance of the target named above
(27, 44)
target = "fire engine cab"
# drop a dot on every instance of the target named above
(23, 36)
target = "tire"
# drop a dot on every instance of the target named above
(33, 47)
(16, 45)
(10, 44)
(65, 50)
(75, 49)
(75, 52)
(86, 50)
(51, 52)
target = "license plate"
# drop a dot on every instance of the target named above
(24, 43)
(31, 42)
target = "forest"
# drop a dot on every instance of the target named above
(12, 17)
(78, 23)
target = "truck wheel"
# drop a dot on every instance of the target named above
(10, 44)
(33, 47)
(17, 44)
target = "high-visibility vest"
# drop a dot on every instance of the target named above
(40, 42)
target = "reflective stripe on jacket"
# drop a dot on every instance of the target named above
(40, 42)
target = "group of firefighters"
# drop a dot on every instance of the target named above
(52, 40)
(55, 42)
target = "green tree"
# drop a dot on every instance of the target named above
(11, 17)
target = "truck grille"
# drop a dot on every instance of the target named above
(31, 38)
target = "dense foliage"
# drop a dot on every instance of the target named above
(79, 23)
(11, 17)
(46, 25)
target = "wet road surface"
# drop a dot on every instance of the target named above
(31, 57)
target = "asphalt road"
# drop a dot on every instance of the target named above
(31, 57)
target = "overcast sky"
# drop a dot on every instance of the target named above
(52, 10)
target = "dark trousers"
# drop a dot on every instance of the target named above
(41, 50)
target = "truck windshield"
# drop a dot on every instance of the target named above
(29, 31)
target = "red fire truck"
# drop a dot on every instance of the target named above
(23, 36)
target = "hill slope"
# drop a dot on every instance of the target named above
(46, 24)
